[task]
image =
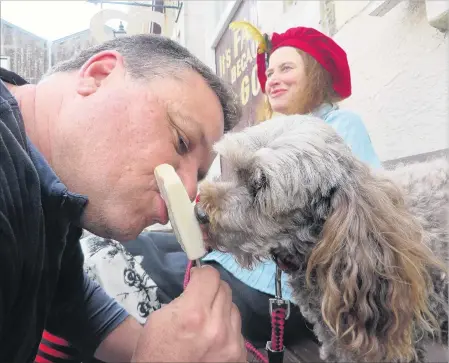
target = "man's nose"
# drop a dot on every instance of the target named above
(191, 184)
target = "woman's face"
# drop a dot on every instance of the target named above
(285, 79)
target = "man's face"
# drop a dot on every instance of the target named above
(115, 130)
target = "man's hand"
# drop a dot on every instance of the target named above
(202, 325)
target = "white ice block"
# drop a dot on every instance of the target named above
(180, 211)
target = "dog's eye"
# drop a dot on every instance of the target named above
(258, 183)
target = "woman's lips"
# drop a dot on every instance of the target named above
(277, 93)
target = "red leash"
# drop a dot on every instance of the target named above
(275, 347)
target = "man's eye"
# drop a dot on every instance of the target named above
(183, 146)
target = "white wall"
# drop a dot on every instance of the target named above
(276, 16)
(399, 66)
(195, 24)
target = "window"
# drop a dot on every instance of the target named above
(4, 62)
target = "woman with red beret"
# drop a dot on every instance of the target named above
(304, 71)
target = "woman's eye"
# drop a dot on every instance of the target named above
(183, 146)
(286, 68)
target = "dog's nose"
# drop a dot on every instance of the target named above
(201, 215)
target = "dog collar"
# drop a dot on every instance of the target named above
(284, 265)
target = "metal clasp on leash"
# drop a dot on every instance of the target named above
(277, 356)
(278, 300)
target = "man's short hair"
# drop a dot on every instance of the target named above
(147, 56)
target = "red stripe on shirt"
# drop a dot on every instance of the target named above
(40, 359)
(54, 339)
(53, 352)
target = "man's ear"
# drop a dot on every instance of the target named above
(96, 69)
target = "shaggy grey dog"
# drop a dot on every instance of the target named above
(365, 251)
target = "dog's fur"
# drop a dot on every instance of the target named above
(365, 250)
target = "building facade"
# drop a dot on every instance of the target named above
(23, 52)
(136, 19)
(397, 50)
(66, 47)
(30, 55)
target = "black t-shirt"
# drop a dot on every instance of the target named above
(42, 281)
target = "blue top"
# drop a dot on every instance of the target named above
(351, 128)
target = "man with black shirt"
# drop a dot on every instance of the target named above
(77, 151)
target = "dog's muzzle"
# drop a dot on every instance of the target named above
(201, 215)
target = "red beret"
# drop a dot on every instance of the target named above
(321, 47)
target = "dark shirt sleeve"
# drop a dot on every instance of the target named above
(82, 312)
(21, 247)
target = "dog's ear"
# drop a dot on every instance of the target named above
(251, 164)
(264, 182)
(237, 149)
(256, 180)
(371, 266)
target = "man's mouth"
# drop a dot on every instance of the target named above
(161, 211)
